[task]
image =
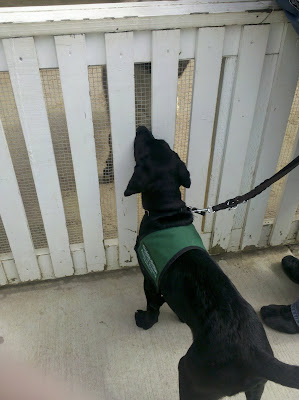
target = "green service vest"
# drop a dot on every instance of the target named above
(158, 250)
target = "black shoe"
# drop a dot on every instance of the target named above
(279, 318)
(290, 265)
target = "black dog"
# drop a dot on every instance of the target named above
(230, 351)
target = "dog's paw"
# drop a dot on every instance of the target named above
(145, 319)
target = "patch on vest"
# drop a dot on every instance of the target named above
(147, 260)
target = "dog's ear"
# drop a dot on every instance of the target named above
(137, 183)
(184, 175)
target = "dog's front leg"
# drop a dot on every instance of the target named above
(146, 319)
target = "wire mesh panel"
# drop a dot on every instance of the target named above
(56, 115)
(284, 158)
(20, 159)
(143, 93)
(103, 141)
(4, 244)
(184, 101)
(143, 107)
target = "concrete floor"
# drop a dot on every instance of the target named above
(83, 329)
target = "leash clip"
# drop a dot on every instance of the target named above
(201, 211)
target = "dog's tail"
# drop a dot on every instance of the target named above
(274, 370)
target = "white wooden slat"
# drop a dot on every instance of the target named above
(220, 135)
(46, 267)
(3, 63)
(142, 46)
(95, 48)
(120, 72)
(3, 279)
(111, 246)
(208, 59)
(235, 238)
(249, 70)
(72, 60)
(232, 40)
(46, 52)
(275, 36)
(45, 263)
(28, 92)
(79, 259)
(282, 93)
(265, 235)
(165, 58)
(14, 217)
(187, 43)
(11, 272)
(288, 204)
(254, 143)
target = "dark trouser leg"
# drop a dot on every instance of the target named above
(281, 317)
(146, 319)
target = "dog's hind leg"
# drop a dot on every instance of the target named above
(146, 319)
(185, 386)
(255, 393)
(188, 383)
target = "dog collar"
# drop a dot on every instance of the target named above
(166, 212)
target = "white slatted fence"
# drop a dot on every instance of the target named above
(243, 84)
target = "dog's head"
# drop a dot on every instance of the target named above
(159, 170)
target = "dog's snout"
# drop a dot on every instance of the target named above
(142, 130)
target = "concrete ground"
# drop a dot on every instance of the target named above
(83, 329)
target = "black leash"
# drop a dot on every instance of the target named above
(233, 203)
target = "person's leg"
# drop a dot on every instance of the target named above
(282, 318)
(290, 265)
(291, 9)
(295, 311)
